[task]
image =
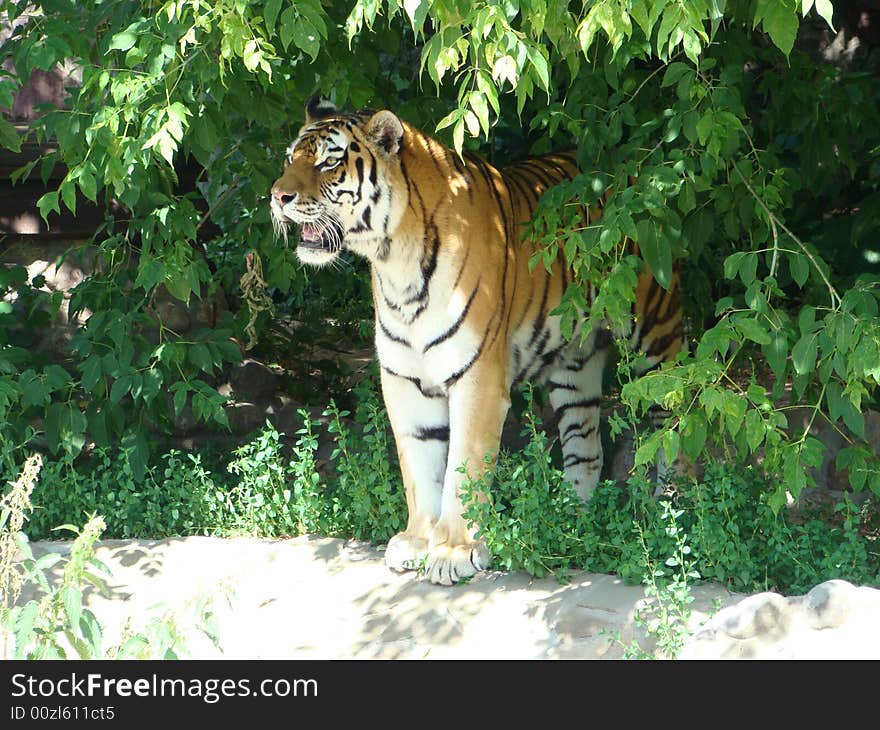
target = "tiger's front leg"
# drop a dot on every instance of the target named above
(478, 404)
(421, 432)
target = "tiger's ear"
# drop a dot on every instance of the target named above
(386, 130)
(319, 107)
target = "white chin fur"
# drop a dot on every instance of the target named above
(314, 257)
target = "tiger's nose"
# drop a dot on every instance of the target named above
(282, 197)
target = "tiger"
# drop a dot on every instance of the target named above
(460, 317)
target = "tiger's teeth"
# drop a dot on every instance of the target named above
(311, 232)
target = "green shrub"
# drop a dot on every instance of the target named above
(368, 496)
(532, 519)
(56, 624)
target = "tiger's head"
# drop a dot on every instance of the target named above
(341, 183)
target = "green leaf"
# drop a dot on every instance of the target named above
(65, 428)
(481, 108)
(305, 36)
(87, 184)
(674, 73)
(539, 63)
(72, 604)
(841, 407)
(68, 195)
(270, 14)
(179, 400)
(826, 11)
(91, 372)
(24, 627)
(754, 429)
(46, 562)
(655, 250)
(687, 200)
(781, 23)
(804, 353)
(91, 630)
(9, 137)
(671, 445)
(48, 203)
(776, 352)
(799, 267)
(752, 329)
(137, 451)
(121, 386)
(200, 356)
(705, 126)
(288, 24)
(125, 39)
(693, 432)
(417, 12)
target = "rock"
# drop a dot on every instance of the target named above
(251, 380)
(835, 620)
(765, 614)
(829, 604)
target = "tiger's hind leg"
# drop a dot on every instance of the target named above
(576, 394)
(658, 335)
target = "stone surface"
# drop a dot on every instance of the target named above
(835, 620)
(321, 598)
(251, 380)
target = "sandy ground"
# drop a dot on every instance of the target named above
(321, 598)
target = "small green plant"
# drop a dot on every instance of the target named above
(309, 503)
(13, 512)
(368, 496)
(668, 589)
(176, 496)
(259, 502)
(530, 518)
(57, 625)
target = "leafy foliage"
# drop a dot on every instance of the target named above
(57, 625)
(722, 527)
(269, 486)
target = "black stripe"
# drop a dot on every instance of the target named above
(415, 381)
(454, 328)
(553, 385)
(390, 335)
(373, 174)
(573, 426)
(583, 403)
(547, 359)
(452, 379)
(384, 250)
(405, 173)
(432, 433)
(526, 193)
(388, 303)
(538, 170)
(574, 460)
(540, 320)
(572, 434)
(428, 268)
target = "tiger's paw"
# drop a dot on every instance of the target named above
(447, 565)
(406, 552)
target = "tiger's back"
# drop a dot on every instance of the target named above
(459, 315)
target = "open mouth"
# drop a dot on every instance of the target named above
(319, 236)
